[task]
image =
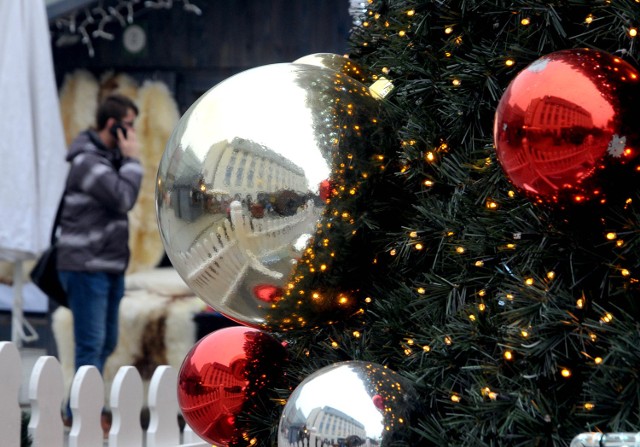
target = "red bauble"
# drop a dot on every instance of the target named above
(378, 401)
(215, 376)
(326, 187)
(566, 129)
(268, 293)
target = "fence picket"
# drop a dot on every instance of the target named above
(126, 406)
(46, 393)
(163, 430)
(11, 373)
(46, 397)
(87, 400)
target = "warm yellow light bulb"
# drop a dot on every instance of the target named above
(421, 290)
(625, 272)
(482, 307)
(448, 30)
(448, 341)
(528, 281)
(598, 360)
(413, 234)
(428, 183)
(411, 12)
(611, 236)
(508, 355)
(356, 334)
(456, 82)
(479, 264)
(525, 21)
(460, 250)
(509, 62)
(455, 398)
(566, 373)
(393, 252)
(551, 275)
(589, 19)
(633, 32)
(589, 406)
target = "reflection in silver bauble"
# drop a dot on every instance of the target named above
(238, 187)
(359, 403)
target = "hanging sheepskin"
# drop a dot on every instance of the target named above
(79, 98)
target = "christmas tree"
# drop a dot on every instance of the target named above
(516, 320)
(512, 311)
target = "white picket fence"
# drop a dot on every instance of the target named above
(46, 398)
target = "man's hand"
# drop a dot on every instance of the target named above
(129, 145)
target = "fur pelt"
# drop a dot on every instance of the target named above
(156, 121)
(79, 98)
(154, 330)
(78, 102)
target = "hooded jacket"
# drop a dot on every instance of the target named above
(101, 188)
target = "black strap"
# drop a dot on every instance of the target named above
(56, 221)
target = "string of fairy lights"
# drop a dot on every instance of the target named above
(365, 17)
(88, 24)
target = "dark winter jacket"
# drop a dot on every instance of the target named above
(101, 188)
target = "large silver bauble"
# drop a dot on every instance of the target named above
(238, 187)
(350, 403)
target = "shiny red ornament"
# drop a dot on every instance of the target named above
(268, 292)
(566, 129)
(215, 376)
(378, 401)
(326, 187)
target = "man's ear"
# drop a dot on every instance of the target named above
(110, 122)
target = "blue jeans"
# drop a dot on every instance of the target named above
(94, 300)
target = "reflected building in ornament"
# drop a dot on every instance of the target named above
(553, 137)
(214, 390)
(554, 115)
(327, 426)
(251, 170)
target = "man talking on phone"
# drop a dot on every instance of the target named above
(93, 243)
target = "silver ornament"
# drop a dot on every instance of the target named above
(238, 190)
(351, 403)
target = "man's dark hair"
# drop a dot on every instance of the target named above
(114, 106)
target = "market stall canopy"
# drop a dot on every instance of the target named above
(32, 147)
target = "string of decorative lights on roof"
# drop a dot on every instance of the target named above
(86, 24)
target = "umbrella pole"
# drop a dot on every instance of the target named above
(18, 323)
(17, 316)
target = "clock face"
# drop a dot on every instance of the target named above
(134, 39)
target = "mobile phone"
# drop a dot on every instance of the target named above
(114, 130)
